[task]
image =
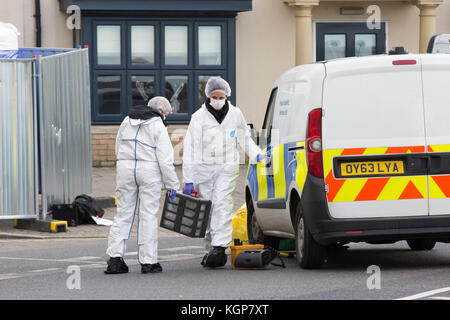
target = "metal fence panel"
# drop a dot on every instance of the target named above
(18, 140)
(65, 127)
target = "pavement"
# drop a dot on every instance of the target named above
(103, 185)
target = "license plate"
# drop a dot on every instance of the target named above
(372, 168)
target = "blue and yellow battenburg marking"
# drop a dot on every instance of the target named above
(274, 181)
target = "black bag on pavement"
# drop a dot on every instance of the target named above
(66, 212)
(84, 204)
(80, 211)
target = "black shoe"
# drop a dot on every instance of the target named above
(215, 258)
(151, 268)
(116, 265)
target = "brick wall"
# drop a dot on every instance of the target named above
(104, 140)
(103, 146)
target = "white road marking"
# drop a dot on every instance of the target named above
(90, 265)
(134, 253)
(179, 258)
(45, 270)
(181, 248)
(440, 298)
(80, 258)
(425, 294)
(176, 255)
(7, 276)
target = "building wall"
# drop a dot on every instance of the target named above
(265, 47)
(104, 139)
(55, 33)
(443, 17)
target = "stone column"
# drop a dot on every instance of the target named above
(304, 32)
(427, 22)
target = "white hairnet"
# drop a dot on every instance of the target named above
(161, 104)
(215, 84)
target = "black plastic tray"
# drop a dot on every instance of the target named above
(186, 215)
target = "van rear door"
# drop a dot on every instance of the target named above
(436, 88)
(374, 148)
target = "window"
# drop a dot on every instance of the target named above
(268, 120)
(135, 60)
(108, 45)
(143, 88)
(365, 44)
(348, 39)
(143, 45)
(109, 94)
(335, 45)
(176, 45)
(209, 45)
(177, 92)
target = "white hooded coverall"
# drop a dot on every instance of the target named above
(211, 163)
(145, 161)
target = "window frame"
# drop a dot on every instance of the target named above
(177, 118)
(349, 28)
(123, 48)
(224, 49)
(190, 42)
(126, 69)
(272, 102)
(123, 89)
(130, 73)
(157, 37)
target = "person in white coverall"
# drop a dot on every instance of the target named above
(211, 163)
(145, 162)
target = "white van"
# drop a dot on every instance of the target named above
(439, 44)
(360, 152)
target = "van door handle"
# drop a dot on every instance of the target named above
(439, 163)
(418, 164)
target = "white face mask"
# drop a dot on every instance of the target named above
(217, 104)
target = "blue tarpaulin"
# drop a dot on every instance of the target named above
(24, 53)
(8, 54)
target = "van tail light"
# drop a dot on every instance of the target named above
(314, 143)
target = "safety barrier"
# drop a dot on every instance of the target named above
(18, 140)
(45, 138)
(65, 127)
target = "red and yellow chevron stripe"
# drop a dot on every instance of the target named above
(372, 189)
(439, 186)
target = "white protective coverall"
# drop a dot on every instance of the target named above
(211, 163)
(145, 161)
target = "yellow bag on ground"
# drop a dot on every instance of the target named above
(240, 223)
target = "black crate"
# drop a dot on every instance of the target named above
(186, 215)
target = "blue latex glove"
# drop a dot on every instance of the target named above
(261, 157)
(172, 195)
(268, 154)
(188, 188)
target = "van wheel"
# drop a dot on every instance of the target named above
(255, 234)
(310, 254)
(421, 244)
